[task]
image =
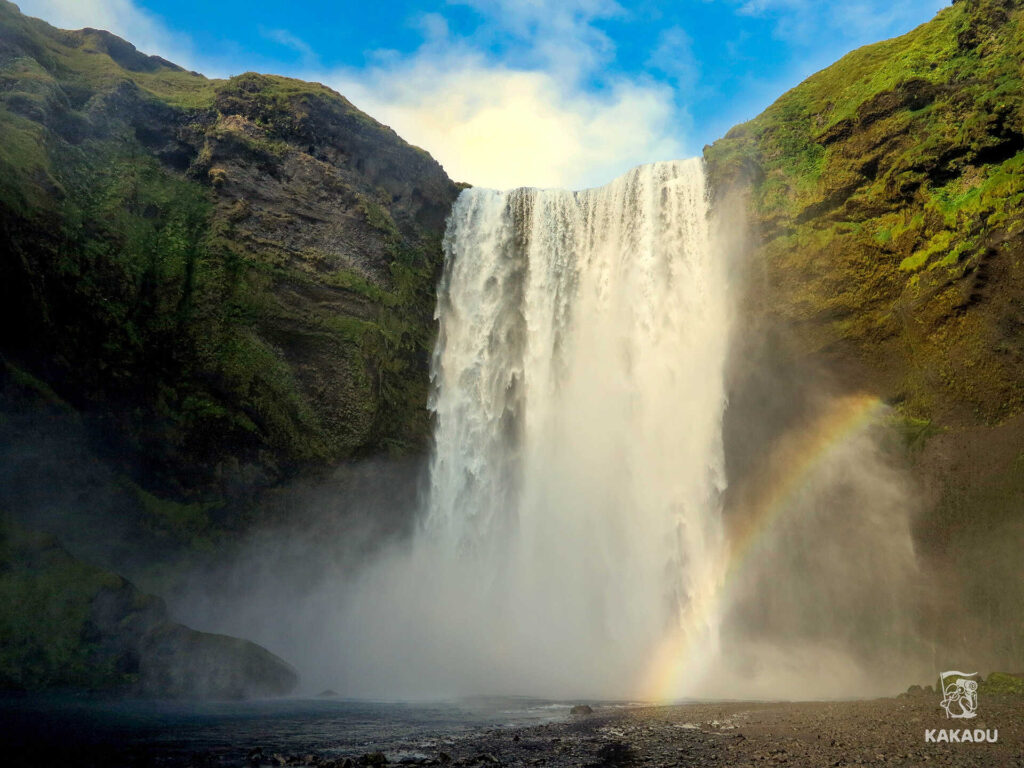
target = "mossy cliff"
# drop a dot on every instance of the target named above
(884, 198)
(207, 287)
(228, 280)
(886, 192)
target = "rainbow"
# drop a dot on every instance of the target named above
(679, 656)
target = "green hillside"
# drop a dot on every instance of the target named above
(883, 198)
(230, 280)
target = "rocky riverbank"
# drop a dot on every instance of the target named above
(841, 733)
(844, 733)
(890, 731)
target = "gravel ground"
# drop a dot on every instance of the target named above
(876, 732)
(845, 733)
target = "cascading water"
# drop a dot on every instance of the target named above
(579, 394)
(578, 390)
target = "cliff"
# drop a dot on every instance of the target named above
(228, 280)
(882, 198)
(207, 287)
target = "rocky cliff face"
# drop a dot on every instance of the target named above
(883, 199)
(206, 288)
(229, 280)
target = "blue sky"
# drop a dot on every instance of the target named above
(519, 92)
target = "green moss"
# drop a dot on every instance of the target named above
(914, 262)
(32, 388)
(24, 164)
(1002, 684)
(355, 282)
(378, 218)
(940, 243)
(185, 524)
(45, 602)
(882, 187)
(96, 70)
(283, 106)
(914, 431)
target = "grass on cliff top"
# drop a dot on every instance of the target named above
(94, 69)
(284, 106)
(279, 87)
(785, 140)
(77, 60)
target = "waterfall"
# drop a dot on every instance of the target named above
(578, 382)
(573, 514)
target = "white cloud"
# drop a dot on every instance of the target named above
(295, 43)
(122, 17)
(539, 122)
(499, 127)
(559, 36)
(674, 57)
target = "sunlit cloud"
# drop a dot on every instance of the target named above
(538, 122)
(503, 128)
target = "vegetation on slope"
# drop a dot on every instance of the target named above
(230, 279)
(887, 191)
(66, 624)
(884, 196)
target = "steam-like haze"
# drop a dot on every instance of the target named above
(824, 600)
(573, 537)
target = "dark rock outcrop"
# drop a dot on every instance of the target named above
(68, 624)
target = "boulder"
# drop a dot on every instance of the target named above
(178, 662)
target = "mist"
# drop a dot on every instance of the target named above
(629, 496)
